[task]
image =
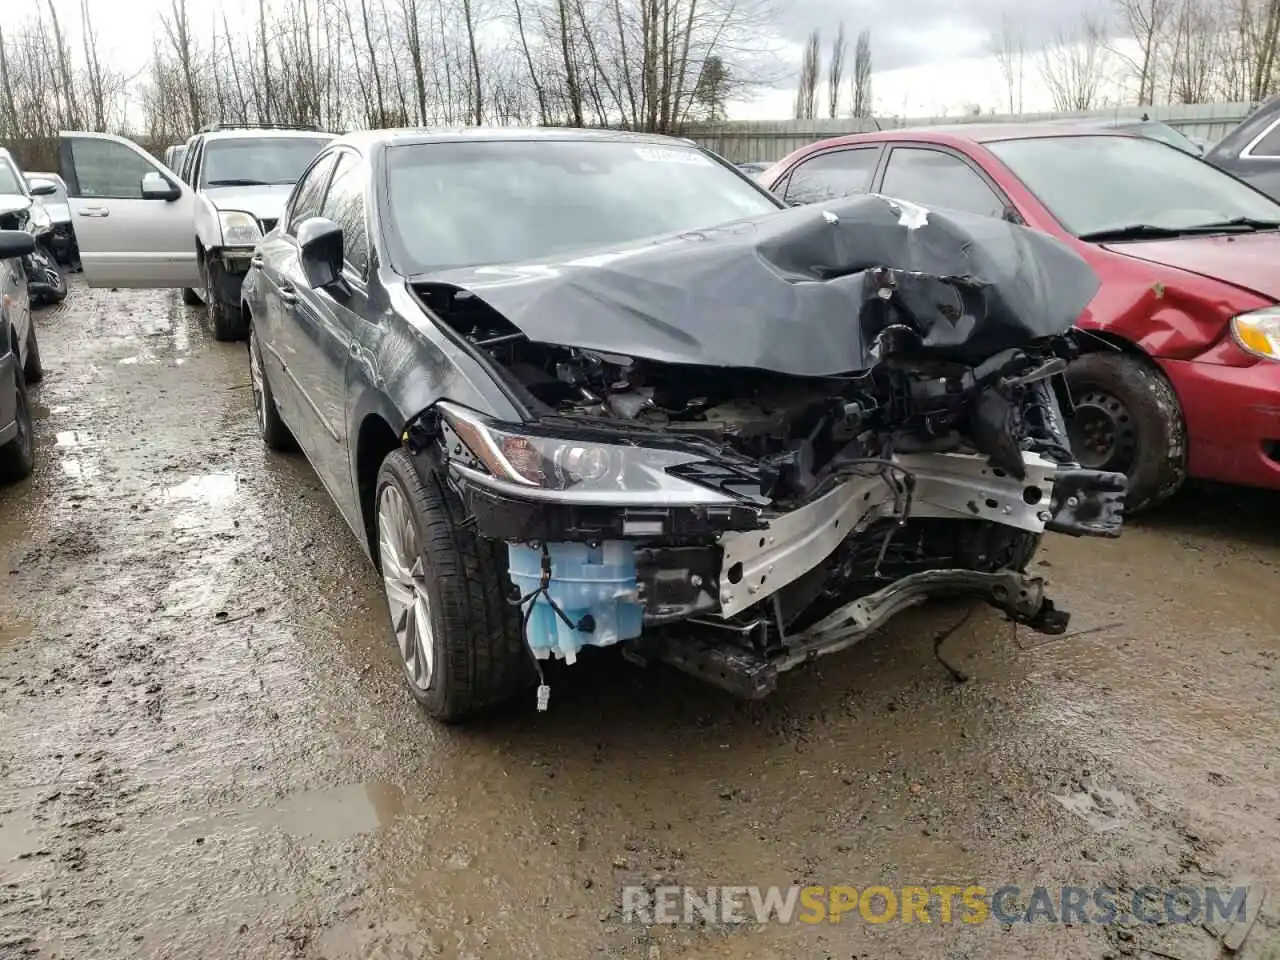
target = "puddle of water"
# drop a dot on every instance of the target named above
(72, 438)
(211, 488)
(1103, 810)
(76, 469)
(20, 838)
(317, 815)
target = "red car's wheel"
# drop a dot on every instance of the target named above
(1127, 419)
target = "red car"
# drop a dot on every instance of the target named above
(1181, 378)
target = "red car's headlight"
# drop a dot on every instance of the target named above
(1258, 332)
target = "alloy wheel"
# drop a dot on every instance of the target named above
(257, 381)
(22, 417)
(404, 581)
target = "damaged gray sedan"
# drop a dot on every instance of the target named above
(577, 388)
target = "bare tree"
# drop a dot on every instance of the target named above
(1196, 48)
(1008, 45)
(1074, 66)
(639, 64)
(1145, 23)
(810, 68)
(861, 81)
(835, 71)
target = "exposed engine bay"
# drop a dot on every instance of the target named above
(773, 515)
(795, 434)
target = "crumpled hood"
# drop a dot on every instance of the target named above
(1246, 260)
(800, 291)
(265, 203)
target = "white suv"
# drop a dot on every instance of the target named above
(141, 224)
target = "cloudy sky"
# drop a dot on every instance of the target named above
(930, 56)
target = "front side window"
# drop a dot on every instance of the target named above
(257, 161)
(344, 205)
(1095, 184)
(489, 202)
(106, 169)
(933, 178)
(307, 195)
(837, 173)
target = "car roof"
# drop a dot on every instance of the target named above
(255, 133)
(987, 132)
(366, 139)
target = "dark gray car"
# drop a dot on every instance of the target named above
(19, 358)
(575, 388)
(1252, 150)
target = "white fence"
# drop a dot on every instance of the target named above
(744, 140)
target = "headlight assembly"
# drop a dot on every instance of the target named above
(239, 229)
(580, 471)
(1258, 332)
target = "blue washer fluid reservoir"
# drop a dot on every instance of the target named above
(597, 581)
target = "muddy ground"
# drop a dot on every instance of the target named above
(206, 749)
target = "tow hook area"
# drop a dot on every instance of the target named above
(754, 675)
(1088, 503)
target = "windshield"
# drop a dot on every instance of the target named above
(248, 161)
(465, 204)
(9, 180)
(1095, 184)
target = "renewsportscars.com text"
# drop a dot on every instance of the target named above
(944, 904)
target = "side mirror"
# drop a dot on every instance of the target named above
(1011, 215)
(320, 240)
(157, 187)
(16, 243)
(42, 188)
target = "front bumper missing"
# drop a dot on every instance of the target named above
(946, 485)
(752, 675)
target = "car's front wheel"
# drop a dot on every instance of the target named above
(275, 434)
(18, 456)
(447, 594)
(227, 320)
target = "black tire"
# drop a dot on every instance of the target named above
(33, 369)
(57, 291)
(480, 656)
(226, 320)
(1128, 419)
(18, 456)
(191, 298)
(271, 428)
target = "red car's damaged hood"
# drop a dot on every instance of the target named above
(1247, 260)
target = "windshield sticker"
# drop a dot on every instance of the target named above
(667, 155)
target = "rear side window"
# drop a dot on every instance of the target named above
(108, 170)
(344, 205)
(936, 179)
(1269, 145)
(837, 173)
(307, 195)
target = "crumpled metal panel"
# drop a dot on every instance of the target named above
(801, 291)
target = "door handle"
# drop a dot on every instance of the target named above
(353, 348)
(94, 212)
(256, 262)
(288, 295)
